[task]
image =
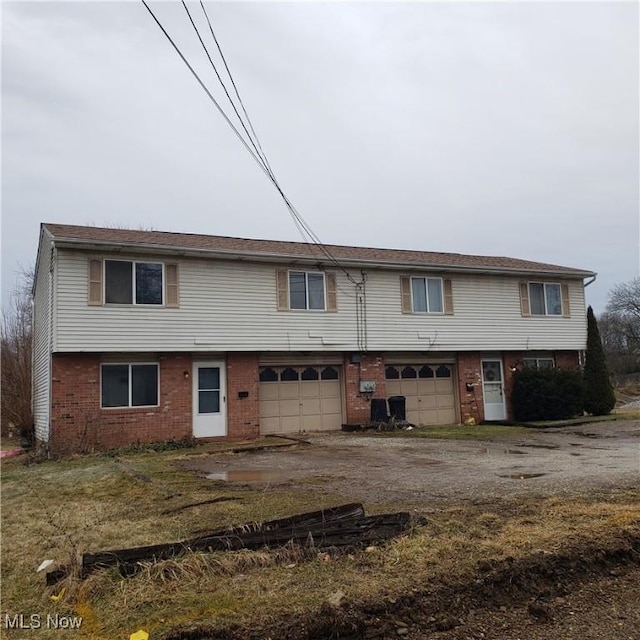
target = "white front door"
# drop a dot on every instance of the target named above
(493, 390)
(209, 399)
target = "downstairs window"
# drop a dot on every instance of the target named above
(129, 385)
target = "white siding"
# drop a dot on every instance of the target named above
(227, 306)
(42, 323)
(486, 317)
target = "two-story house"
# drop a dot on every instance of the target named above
(143, 336)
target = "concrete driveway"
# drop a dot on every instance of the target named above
(373, 469)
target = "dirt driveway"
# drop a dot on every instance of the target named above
(378, 469)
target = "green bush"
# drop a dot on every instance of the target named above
(547, 394)
(599, 398)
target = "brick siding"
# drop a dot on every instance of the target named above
(370, 367)
(79, 424)
(469, 372)
(243, 413)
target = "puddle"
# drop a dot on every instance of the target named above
(522, 476)
(541, 446)
(514, 451)
(248, 475)
(424, 463)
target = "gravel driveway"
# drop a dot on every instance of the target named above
(374, 469)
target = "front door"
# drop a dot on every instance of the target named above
(209, 399)
(493, 390)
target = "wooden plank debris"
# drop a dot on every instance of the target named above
(341, 526)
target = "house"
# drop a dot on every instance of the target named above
(143, 336)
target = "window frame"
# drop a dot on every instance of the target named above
(134, 301)
(426, 287)
(546, 303)
(129, 365)
(306, 285)
(537, 360)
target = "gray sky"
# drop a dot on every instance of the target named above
(486, 128)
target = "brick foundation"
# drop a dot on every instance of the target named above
(370, 367)
(243, 413)
(79, 424)
(471, 401)
(512, 360)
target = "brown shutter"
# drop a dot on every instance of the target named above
(524, 299)
(94, 290)
(282, 289)
(332, 299)
(405, 293)
(448, 297)
(171, 285)
(566, 309)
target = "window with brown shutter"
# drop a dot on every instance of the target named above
(332, 298)
(282, 290)
(430, 295)
(566, 308)
(448, 297)
(525, 310)
(94, 289)
(171, 277)
(405, 294)
(544, 299)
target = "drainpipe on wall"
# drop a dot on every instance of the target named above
(582, 353)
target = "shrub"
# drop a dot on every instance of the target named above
(547, 394)
(599, 398)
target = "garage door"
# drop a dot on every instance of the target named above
(300, 398)
(429, 390)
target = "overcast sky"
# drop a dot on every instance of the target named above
(486, 128)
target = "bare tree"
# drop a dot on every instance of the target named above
(16, 335)
(620, 328)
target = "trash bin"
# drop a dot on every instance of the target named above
(398, 407)
(379, 410)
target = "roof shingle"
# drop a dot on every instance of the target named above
(247, 246)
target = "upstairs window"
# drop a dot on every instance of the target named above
(426, 295)
(545, 299)
(306, 290)
(128, 282)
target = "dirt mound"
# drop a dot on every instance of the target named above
(534, 582)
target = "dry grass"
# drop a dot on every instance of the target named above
(54, 510)
(453, 432)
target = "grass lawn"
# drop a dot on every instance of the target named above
(59, 509)
(456, 432)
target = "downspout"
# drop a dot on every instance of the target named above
(582, 354)
(50, 302)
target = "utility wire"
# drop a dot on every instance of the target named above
(260, 158)
(204, 88)
(215, 69)
(235, 88)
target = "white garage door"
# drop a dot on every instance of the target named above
(429, 390)
(300, 398)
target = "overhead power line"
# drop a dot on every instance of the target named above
(235, 88)
(251, 142)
